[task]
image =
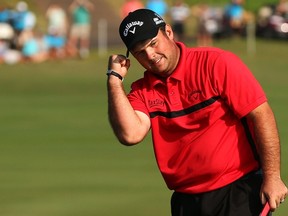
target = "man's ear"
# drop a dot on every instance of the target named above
(169, 32)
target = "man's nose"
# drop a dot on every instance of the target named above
(150, 53)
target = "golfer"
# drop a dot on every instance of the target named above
(214, 133)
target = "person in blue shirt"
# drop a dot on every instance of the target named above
(159, 6)
(5, 14)
(234, 16)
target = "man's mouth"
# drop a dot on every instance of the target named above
(156, 60)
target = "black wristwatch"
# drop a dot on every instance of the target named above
(112, 72)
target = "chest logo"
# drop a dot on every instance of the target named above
(194, 94)
(156, 102)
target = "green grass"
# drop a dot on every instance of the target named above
(58, 155)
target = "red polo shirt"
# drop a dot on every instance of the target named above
(197, 119)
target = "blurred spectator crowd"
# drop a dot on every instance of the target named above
(22, 41)
(272, 20)
(213, 22)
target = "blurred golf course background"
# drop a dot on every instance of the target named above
(58, 154)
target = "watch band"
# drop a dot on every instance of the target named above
(112, 72)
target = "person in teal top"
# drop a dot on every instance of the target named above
(81, 26)
(81, 15)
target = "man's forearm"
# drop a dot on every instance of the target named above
(273, 188)
(267, 138)
(123, 119)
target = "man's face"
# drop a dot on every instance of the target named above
(158, 55)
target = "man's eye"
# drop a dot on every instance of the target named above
(153, 43)
(139, 53)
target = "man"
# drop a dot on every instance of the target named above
(179, 13)
(214, 134)
(81, 11)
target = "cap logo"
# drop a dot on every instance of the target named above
(130, 25)
(157, 20)
(133, 31)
